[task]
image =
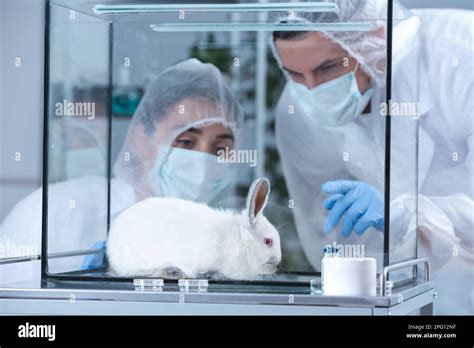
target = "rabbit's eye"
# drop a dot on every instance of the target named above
(268, 241)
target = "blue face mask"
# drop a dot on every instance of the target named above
(334, 103)
(191, 175)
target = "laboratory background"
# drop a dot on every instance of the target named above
(151, 93)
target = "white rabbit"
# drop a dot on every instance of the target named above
(162, 233)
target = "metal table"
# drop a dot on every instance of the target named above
(119, 299)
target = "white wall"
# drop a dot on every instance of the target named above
(21, 99)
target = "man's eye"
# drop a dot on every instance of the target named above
(328, 67)
(296, 76)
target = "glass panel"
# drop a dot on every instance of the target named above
(183, 128)
(235, 55)
(78, 135)
(405, 112)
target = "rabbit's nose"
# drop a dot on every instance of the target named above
(273, 259)
(270, 266)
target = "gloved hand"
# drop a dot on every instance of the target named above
(92, 261)
(362, 205)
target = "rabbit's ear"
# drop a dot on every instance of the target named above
(257, 198)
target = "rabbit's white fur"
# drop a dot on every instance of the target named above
(161, 233)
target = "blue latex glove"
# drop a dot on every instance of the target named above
(362, 205)
(92, 261)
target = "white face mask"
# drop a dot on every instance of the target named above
(191, 175)
(334, 103)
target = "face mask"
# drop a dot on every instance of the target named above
(191, 175)
(334, 103)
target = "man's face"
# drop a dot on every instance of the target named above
(312, 59)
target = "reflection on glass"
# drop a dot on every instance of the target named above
(209, 8)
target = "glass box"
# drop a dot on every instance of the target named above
(103, 57)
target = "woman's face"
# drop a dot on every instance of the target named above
(209, 139)
(312, 59)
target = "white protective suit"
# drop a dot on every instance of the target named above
(312, 154)
(77, 209)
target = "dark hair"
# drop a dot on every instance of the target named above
(302, 18)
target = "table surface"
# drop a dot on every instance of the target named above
(215, 294)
